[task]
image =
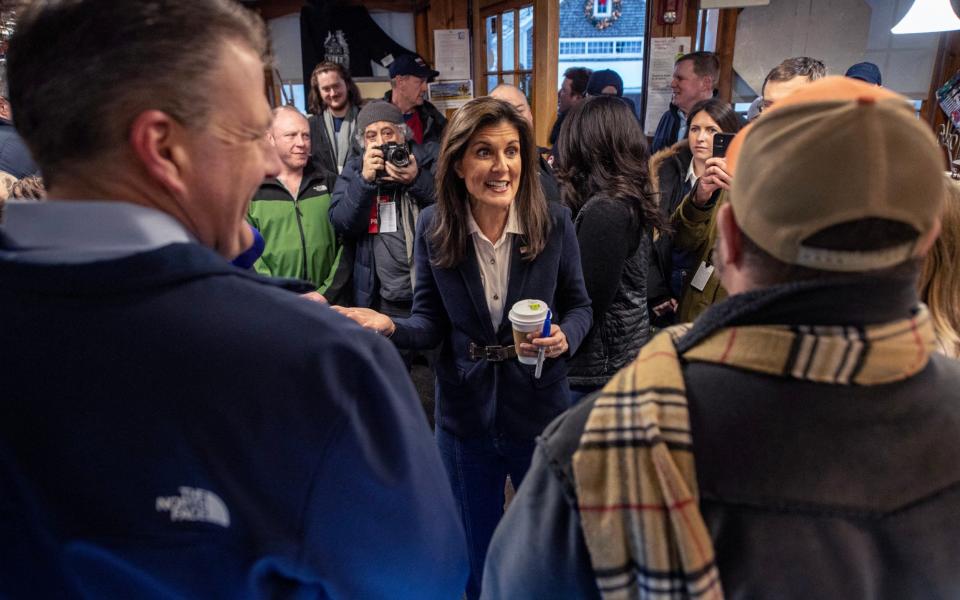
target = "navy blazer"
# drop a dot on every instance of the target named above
(449, 307)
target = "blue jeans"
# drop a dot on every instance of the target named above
(478, 469)
(579, 392)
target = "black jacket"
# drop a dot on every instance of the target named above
(808, 490)
(614, 251)
(321, 147)
(433, 121)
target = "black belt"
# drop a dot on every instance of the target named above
(491, 353)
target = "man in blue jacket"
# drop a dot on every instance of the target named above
(171, 426)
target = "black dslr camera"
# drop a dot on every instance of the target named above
(396, 154)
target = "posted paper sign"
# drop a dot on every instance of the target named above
(451, 47)
(663, 54)
(450, 94)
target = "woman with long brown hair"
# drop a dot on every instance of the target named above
(490, 241)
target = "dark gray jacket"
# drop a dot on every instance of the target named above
(809, 490)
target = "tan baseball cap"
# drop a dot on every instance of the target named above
(838, 150)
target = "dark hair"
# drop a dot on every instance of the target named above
(578, 76)
(315, 103)
(82, 70)
(449, 235)
(864, 235)
(602, 150)
(799, 66)
(721, 112)
(705, 64)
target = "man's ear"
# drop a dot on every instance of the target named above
(158, 142)
(729, 239)
(5, 112)
(708, 83)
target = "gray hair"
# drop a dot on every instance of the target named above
(95, 66)
(403, 128)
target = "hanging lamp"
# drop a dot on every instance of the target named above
(928, 16)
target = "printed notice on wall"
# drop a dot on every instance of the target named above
(447, 95)
(451, 47)
(663, 53)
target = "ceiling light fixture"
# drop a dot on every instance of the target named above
(928, 16)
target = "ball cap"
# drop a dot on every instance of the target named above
(838, 150)
(411, 64)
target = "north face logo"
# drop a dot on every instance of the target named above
(319, 188)
(195, 504)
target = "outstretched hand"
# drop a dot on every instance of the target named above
(368, 319)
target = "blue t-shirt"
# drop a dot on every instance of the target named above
(337, 123)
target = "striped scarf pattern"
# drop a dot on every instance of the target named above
(634, 469)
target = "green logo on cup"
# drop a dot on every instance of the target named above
(535, 306)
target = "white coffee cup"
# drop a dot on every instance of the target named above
(527, 316)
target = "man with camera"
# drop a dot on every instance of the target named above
(376, 202)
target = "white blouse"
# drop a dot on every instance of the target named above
(494, 261)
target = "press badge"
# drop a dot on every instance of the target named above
(388, 217)
(702, 276)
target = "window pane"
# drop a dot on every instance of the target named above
(526, 38)
(526, 86)
(492, 43)
(507, 22)
(491, 83)
(509, 78)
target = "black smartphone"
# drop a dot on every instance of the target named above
(721, 141)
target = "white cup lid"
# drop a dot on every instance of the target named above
(528, 311)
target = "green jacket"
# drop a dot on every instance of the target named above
(300, 242)
(695, 230)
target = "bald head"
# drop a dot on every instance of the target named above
(290, 135)
(287, 114)
(512, 95)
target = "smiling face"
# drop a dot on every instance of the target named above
(688, 87)
(566, 97)
(230, 157)
(491, 166)
(333, 91)
(290, 135)
(700, 135)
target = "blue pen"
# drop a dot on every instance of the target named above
(542, 351)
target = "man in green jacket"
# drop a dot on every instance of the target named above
(290, 211)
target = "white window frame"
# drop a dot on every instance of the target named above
(587, 54)
(598, 14)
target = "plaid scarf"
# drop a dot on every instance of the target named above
(634, 469)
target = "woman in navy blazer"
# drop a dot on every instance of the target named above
(490, 408)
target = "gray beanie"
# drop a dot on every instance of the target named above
(379, 110)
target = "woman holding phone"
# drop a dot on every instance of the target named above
(490, 240)
(676, 171)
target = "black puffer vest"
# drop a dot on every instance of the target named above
(617, 335)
